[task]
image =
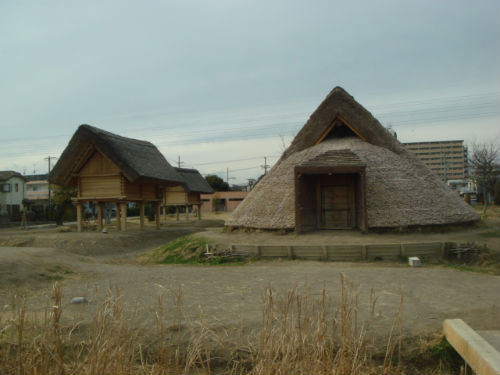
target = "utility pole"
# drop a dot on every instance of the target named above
(265, 166)
(179, 162)
(49, 158)
(227, 176)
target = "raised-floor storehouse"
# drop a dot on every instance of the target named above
(108, 168)
(187, 194)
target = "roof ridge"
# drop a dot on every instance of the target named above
(97, 130)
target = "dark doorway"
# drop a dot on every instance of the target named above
(337, 208)
(330, 198)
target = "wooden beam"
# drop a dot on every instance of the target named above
(124, 216)
(79, 217)
(177, 213)
(187, 213)
(100, 214)
(118, 216)
(141, 214)
(165, 214)
(199, 211)
(336, 122)
(113, 198)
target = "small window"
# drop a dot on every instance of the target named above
(17, 188)
(6, 188)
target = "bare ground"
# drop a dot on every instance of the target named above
(230, 297)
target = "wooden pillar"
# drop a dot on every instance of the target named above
(124, 216)
(177, 213)
(79, 217)
(199, 212)
(100, 215)
(165, 214)
(118, 217)
(141, 215)
(157, 216)
(187, 213)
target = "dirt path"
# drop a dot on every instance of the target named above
(230, 297)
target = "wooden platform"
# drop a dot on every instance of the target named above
(480, 349)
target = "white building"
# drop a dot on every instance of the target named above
(12, 193)
(37, 189)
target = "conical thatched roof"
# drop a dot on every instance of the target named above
(138, 160)
(400, 190)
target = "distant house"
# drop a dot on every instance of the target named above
(187, 194)
(11, 193)
(222, 201)
(37, 191)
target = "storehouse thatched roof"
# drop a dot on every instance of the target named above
(194, 181)
(400, 190)
(138, 160)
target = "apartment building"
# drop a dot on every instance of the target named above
(448, 159)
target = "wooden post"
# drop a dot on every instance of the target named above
(199, 212)
(177, 213)
(325, 252)
(165, 214)
(124, 216)
(157, 216)
(141, 214)
(187, 213)
(363, 252)
(100, 215)
(79, 217)
(118, 217)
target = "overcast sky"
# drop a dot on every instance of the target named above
(223, 83)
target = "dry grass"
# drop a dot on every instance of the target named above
(300, 334)
(306, 335)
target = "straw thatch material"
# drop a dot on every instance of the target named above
(138, 160)
(194, 181)
(400, 190)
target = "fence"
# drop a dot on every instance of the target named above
(346, 252)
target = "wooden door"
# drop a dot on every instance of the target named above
(337, 208)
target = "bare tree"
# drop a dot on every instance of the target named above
(484, 163)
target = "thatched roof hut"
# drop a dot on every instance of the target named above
(137, 160)
(345, 170)
(109, 168)
(194, 181)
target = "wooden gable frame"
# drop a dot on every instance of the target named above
(339, 121)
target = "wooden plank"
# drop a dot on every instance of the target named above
(99, 165)
(124, 216)
(100, 214)
(475, 350)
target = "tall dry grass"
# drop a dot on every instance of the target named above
(306, 335)
(300, 334)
